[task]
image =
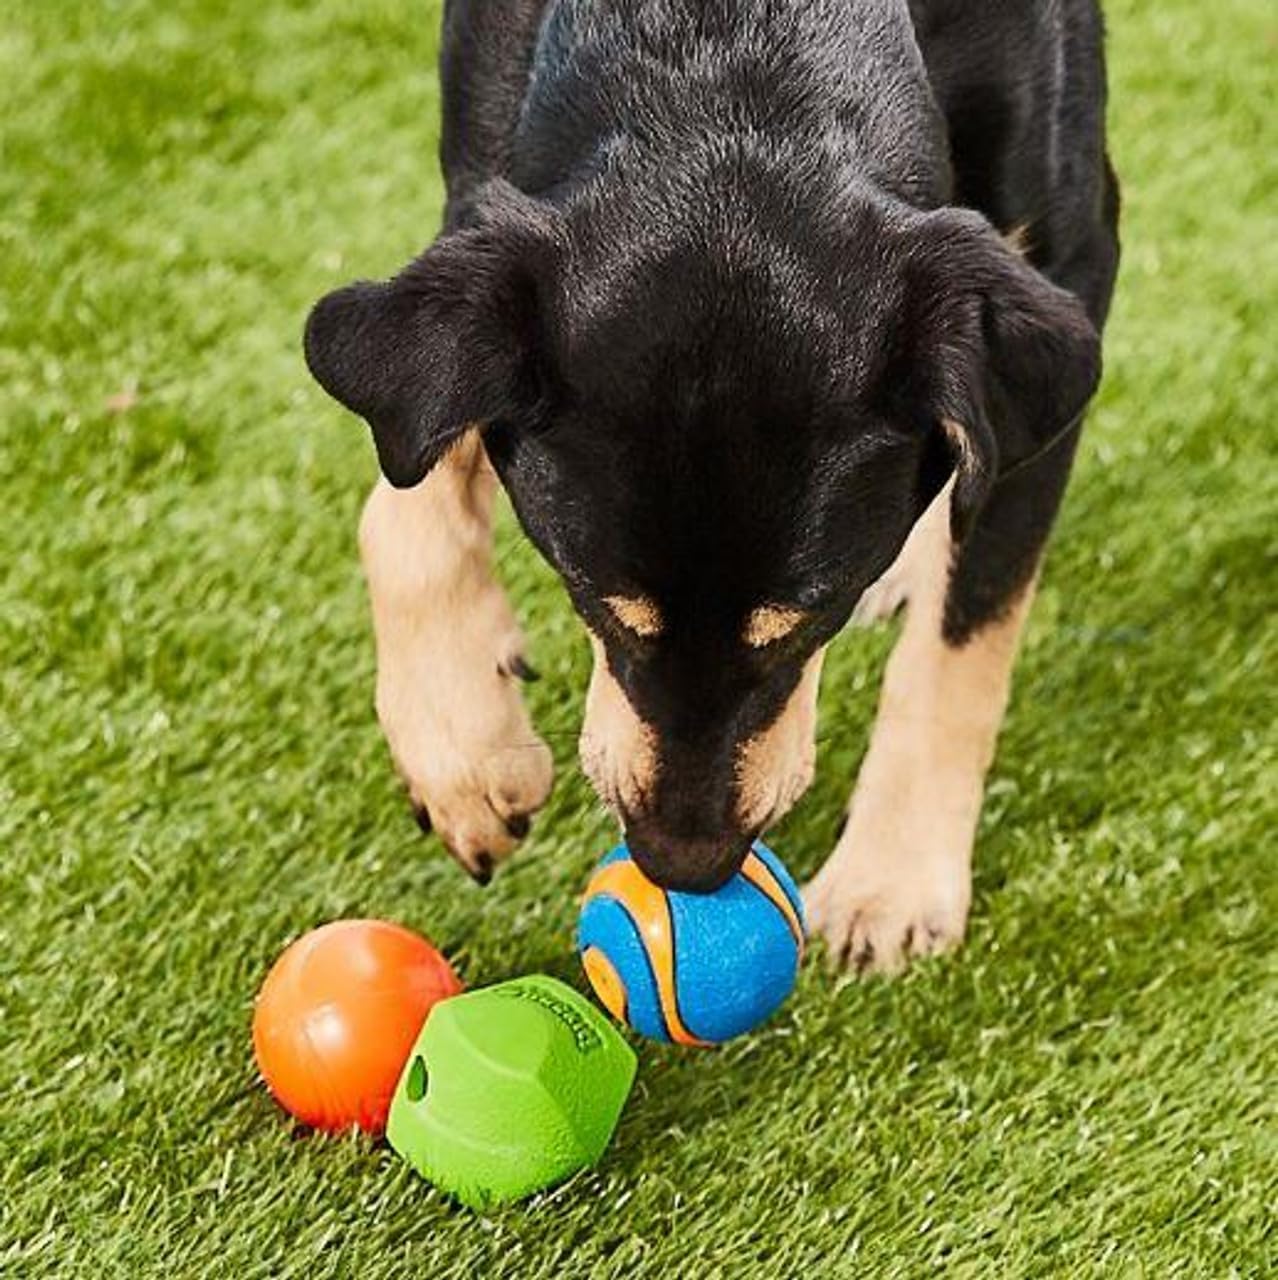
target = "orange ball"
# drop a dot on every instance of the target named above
(338, 1015)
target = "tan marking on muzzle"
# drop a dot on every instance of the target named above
(775, 767)
(618, 749)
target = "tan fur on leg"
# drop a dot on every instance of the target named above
(898, 884)
(447, 648)
(912, 569)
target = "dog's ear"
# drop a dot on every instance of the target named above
(1003, 362)
(453, 341)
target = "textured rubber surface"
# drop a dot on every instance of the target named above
(510, 1089)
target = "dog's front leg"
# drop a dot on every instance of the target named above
(449, 661)
(898, 884)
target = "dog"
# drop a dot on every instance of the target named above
(767, 315)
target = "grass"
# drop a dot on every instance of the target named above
(191, 775)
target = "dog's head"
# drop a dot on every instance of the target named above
(718, 423)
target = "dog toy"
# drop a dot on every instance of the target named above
(510, 1089)
(693, 968)
(337, 1017)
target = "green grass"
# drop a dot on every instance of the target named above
(190, 772)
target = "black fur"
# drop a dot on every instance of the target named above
(724, 281)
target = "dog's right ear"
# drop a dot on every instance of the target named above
(1004, 361)
(451, 342)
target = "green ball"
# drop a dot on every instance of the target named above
(510, 1089)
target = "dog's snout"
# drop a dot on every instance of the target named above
(694, 864)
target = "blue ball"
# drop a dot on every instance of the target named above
(695, 968)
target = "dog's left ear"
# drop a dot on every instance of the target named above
(1002, 360)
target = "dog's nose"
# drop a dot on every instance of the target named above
(694, 864)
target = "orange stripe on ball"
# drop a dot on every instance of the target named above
(760, 875)
(649, 908)
(606, 981)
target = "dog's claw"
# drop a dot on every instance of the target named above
(521, 669)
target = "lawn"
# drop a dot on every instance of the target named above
(191, 773)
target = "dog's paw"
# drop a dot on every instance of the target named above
(450, 706)
(480, 805)
(882, 899)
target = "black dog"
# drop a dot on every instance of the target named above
(767, 313)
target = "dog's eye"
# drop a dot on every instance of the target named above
(636, 613)
(770, 623)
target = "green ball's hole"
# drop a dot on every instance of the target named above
(418, 1078)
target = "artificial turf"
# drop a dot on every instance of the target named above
(191, 774)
